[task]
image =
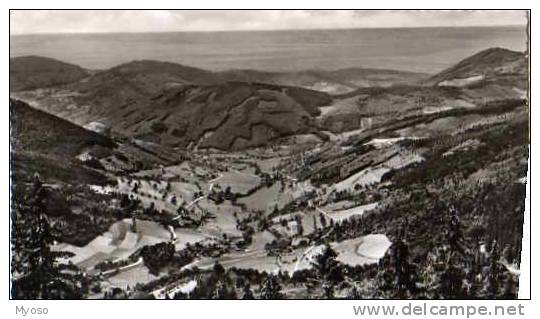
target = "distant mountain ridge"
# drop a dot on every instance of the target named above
(174, 105)
(32, 72)
(26, 69)
(224, 116)
(487, 65)
(333, 82)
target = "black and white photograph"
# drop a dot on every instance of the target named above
(268, 154)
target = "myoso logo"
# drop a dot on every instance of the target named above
(24, 311)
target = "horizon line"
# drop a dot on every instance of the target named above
(267, 30)
(251, 69)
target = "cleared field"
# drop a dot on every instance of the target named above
(266, 198)
(310, 219)
(185, 192)
(457, 124)
(341, 205)
(462, 82)
(374, 174)
(341, 215)
(364, 250)
(130, 278)
(239, 182)
(266, 165)
(306, 257)
(120, 241)
(260, 239)
(224, 221)
(303, 139)
(365, 177)
(436, 109)
(343, 106)
(387, 142)
(260, 262)
(464, 146)
(150, 192)
(358, 251)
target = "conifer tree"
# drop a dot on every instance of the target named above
(453, 277)
(403, 271)
(510, 289)
(328, 270)
(220, 292)
(248, 294)
(271, 289)
(40, 274)
(494, 273)
(354, 294)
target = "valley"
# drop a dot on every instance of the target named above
(167, 181)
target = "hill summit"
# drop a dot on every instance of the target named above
(31, 72)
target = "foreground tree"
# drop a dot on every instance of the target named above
(453, 277)
(499, 282)
(404, 269)
(271, 289)
(452, 280)
(40, 272)
(328, 271)
(248, 294)
(220, 291)
(354, 294)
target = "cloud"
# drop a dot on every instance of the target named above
(81, 21)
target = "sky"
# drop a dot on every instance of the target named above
(103, 21)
